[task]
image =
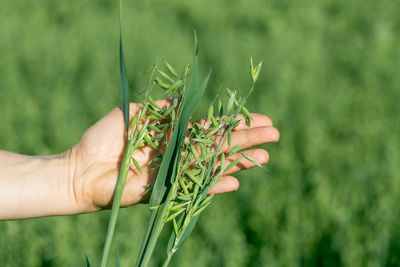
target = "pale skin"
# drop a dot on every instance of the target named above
(83, 178)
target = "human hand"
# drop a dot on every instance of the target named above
(97, 157)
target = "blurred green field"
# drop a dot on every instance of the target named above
(329, 81)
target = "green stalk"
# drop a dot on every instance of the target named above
(149, 230)
(130, 147)
(166, 263)
(123, 173)
(155, 231)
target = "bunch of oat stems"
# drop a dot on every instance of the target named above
(190, 159)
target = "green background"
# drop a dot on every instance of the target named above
(329, 81)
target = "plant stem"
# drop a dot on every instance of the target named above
(149, 229)
(123, 172)
(144, 258)
(167, 260)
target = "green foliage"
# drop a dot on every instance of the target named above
(329, 81)
(127, 156)
(124, 85)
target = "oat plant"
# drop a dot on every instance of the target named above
(194, 160)
(191, 157)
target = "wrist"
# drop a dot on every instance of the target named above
(56, 173)
(72, 162)
(54, 189)
(36, 186)
(64, 167)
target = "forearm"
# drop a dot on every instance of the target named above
(35, 186)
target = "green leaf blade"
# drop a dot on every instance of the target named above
(87, 263)
(124, 84)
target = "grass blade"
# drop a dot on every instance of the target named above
(127, 155)
(188, 231)
(124, 79)
(87, 264)
(118, 263)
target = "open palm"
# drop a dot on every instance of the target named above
(99, 153)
